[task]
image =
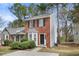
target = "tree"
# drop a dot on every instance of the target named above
(64, 15)
(14, 23)
(32, 10)
(75, 14)
(67, 27)
(42, 8)
(57, 6)
(39, 9)
(19, 11)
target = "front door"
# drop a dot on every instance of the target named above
(42, 39)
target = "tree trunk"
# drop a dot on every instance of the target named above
(66, 31)
(58, 31)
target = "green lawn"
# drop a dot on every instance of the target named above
(4, 50)
(63, 50)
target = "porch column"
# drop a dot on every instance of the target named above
(19, 38)
(5, 37)
(14, 38)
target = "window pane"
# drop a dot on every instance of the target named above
(41, 23)
(34, 37)
(30, 36)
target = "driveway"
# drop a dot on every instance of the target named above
(33, 52)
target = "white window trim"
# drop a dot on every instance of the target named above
(41, 21)
(33, 37)
(6, 37)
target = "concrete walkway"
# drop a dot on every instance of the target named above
(33, 52)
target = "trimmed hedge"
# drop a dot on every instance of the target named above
(23, 45)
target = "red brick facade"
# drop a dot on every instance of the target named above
(45, 29)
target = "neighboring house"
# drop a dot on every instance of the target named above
(15, 34)
(0, 36)
(42, 29)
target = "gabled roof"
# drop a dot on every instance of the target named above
(38, 17)
(15, 30)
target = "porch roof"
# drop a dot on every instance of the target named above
(19, 30)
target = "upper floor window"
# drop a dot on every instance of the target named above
(31, 23)
(41, 22)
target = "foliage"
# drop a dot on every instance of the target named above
(24, 39)
(75, 13)
(14, 24)
(18, 10)
(15, 45)
(32, 44)
(7, 42)
(23, 45)
(62, 39)
(27, 44)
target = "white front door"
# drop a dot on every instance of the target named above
(33, 36)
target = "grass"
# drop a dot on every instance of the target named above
(5, 50)
(63, 50)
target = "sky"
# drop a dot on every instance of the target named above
(6, 15)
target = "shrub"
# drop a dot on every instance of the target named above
(27, 45)
(15, 45)
(24, 45)
(62, 39)
(31, 44)
(7, 42)
(25, 39)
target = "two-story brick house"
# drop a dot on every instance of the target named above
(42, 29)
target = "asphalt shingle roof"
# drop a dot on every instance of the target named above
(15, 30)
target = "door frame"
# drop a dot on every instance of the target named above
(44, 40)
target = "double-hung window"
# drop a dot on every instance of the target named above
(31, 23)
(41, 22)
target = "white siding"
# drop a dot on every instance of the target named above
(53, 30)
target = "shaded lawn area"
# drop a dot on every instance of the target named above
(63, 50)
(4, 50)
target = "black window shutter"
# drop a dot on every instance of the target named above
(37, 23)
(33, 23)
(28, 24)
(43, 22)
